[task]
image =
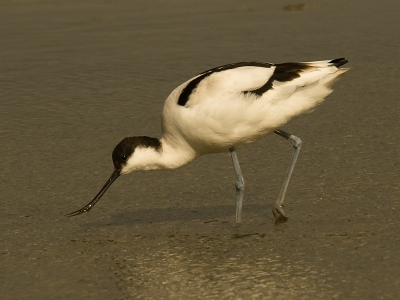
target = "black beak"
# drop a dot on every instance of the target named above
(89, 206)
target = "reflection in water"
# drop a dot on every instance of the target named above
(219, 269)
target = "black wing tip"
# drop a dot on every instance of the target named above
(338, 62)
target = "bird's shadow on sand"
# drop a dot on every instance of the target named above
(205, 214)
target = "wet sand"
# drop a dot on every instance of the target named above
(78, 76)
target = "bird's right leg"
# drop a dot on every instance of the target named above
(239, 185)
(280, 215)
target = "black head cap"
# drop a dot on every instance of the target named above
(124, 150)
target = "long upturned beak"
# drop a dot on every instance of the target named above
(89, 206)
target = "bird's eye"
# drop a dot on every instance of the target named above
(124, 157)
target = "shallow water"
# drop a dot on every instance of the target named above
(78, 76)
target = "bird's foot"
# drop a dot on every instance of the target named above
(237, 225)
(279, 214)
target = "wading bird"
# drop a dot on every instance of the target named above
(227, 107)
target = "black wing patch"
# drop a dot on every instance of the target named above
(283, 72)
(191, 86)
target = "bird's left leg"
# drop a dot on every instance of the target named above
(239, 185)
(280, 215)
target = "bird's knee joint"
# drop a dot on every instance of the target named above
(239, 185)
(296, 141)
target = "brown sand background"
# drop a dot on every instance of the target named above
(78, 76)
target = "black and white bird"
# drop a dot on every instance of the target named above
(223, 108)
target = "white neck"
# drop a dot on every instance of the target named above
(166, 157)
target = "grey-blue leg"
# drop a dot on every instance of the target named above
(278, 212)
(239, 185)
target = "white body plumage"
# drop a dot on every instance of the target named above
(218, 115)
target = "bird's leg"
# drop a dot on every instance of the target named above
(239, 185)
(280, 215)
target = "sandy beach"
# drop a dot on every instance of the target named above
(78, 76)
